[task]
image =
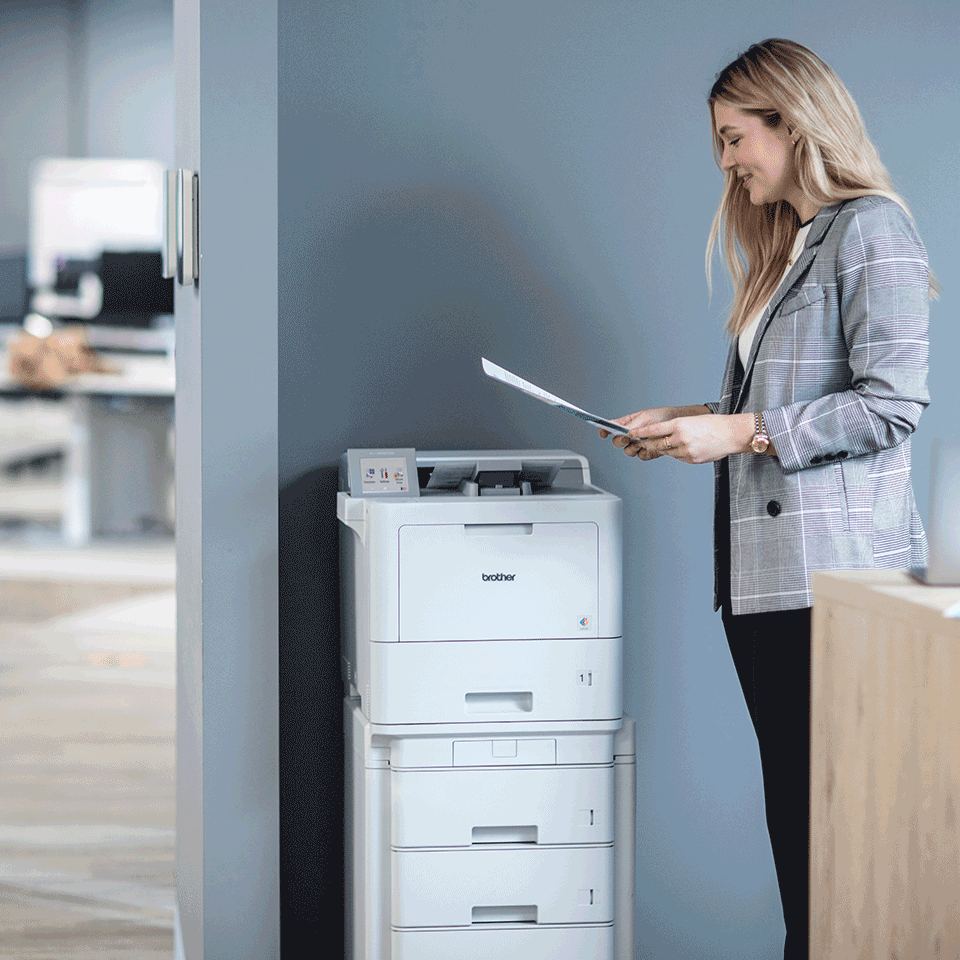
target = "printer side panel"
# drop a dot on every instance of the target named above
(610, 568)
(350, 610)
(356, 573)
(354, 614)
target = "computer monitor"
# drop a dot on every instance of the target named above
(134, 292)
(102, 217)
(81, 207)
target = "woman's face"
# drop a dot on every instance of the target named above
(759, 155)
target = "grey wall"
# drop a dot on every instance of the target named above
(124, 72)
(191, 857)
(34, 80)
(534, 182)
(80, 78)
(227, 697)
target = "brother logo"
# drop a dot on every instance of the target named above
(498, 576)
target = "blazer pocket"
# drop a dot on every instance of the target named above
(804, 297)
(855, 495)
(842, 499)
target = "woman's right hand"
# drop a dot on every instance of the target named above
(636, 445)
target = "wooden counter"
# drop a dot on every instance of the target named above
(885, 769)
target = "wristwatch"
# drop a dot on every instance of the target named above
(761, 439)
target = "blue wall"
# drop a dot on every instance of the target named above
(533, 181)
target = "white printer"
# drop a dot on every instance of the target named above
(489, 768)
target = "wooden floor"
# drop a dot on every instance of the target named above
(87, 752)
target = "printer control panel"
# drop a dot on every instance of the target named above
(381, 473)
(402, 472)
(384, 475)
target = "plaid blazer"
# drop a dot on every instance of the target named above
(839, 369)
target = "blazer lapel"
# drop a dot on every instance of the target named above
(818, 230)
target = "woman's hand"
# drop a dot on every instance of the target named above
(639, 423)
(690, 434)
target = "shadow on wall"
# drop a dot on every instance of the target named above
(311, 693)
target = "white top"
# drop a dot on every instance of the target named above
(750, 331)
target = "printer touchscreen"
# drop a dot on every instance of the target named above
(384, 475)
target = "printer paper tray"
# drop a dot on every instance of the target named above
(490, 681)
(553, 804)
(548, 885)
(488, 942)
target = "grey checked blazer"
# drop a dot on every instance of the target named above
(839, 369)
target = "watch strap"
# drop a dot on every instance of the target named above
(761, 439)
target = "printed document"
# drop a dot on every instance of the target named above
(531, 389)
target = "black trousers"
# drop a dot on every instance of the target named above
(771, 652)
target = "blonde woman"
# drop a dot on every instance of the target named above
(824, 384)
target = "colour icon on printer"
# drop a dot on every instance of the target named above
(585, 622)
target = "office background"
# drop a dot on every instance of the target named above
(532, 181)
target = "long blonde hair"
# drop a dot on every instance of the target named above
(779, 80)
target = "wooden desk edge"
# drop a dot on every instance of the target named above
(893, 593)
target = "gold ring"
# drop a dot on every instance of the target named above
(666, 443)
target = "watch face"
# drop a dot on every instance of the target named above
(760, 444)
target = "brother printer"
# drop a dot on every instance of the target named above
(489, 766)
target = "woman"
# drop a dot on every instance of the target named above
(825, 381)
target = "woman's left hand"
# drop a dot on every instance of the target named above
(701, 439)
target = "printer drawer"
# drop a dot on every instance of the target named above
(489, 942)
(497, 805)
(489, 681)
(522, 581)
(543, 885)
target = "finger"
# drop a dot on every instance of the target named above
(639, 450)
(655, 431)
(632, 420)
(647, 431)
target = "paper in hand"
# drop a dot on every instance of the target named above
(532, 390)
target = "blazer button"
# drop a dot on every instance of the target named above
(774, 508)
(842, 455)
(816, 460)
(829, 456)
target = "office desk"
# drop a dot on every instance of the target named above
(118, 465)
(885, 768)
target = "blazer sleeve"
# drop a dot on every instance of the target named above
(883, 299)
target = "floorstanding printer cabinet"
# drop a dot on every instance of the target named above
(885, 768)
